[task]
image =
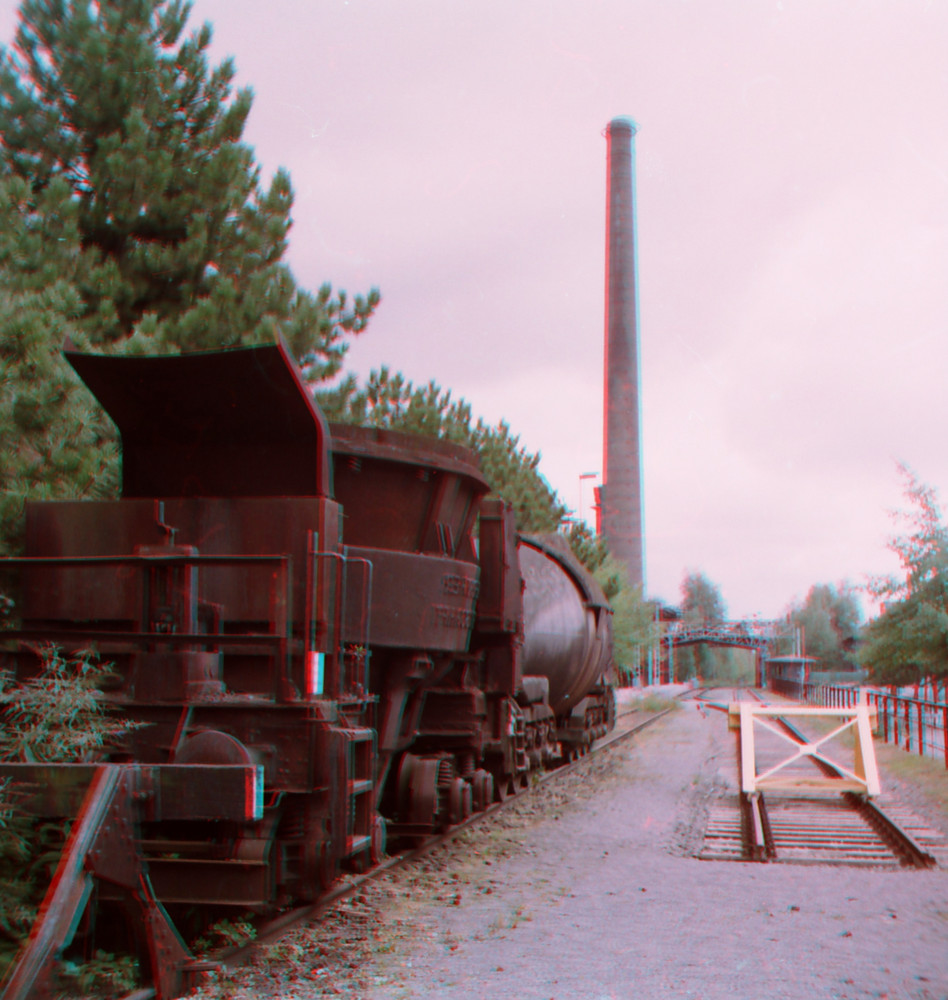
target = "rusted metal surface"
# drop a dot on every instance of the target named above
(406, 493)
(430, 601)
(809, 831)
(163, 793)
(101, 845)
(236, 423)
(298, 621)
(566, 624)
(901, 841)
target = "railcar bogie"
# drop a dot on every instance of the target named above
(320, 651)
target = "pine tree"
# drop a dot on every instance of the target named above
(132, 219)
(181, 248)
(54, 442)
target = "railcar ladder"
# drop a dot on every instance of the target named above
(355, 755)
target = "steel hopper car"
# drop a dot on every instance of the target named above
(332, 635)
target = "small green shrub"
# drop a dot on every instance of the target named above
(225, 933)
(103, 974)
(60, 715)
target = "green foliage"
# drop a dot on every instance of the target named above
(104, 974)
(634, 629)
(17, 905)
(703, 604)
(29, 852)
(225, 933)
(592, 551)
(701, 600)
(908, 642)
(132, 219)
(830, 618)
(54, 442)
(60, 715)
(392, 402)
(658, 703)
(179, 244)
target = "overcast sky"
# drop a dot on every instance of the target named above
(792, 194)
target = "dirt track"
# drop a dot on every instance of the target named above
(590, 892)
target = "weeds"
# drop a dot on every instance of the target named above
(509, 922)
(58, 716)
(104, 973)
(225, 933)
(657, 703)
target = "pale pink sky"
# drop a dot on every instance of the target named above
(793, 242)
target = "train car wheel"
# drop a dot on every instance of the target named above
(483, 786)
(459, 801)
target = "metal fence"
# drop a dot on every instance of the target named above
(914, 724)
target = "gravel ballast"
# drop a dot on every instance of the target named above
(605, 901)
(589, 890)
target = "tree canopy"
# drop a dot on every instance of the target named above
(908, 642)
(703, 604)
(180, 246)
(133, 220)
(701, 600)
(830, 617)
(54, 441)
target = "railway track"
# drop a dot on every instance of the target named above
(628, 724)
(842, 828)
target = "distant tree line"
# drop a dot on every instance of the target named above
(702, 603)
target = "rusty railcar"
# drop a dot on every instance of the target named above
(332, 635)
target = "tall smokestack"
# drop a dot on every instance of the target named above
(620, 496)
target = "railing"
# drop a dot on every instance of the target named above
(914, 724)
(152, 576)
(730, 633)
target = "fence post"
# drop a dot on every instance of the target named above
(921, 730)
(944, 732)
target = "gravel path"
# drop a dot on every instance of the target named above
(589, 891)
(605, 902)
